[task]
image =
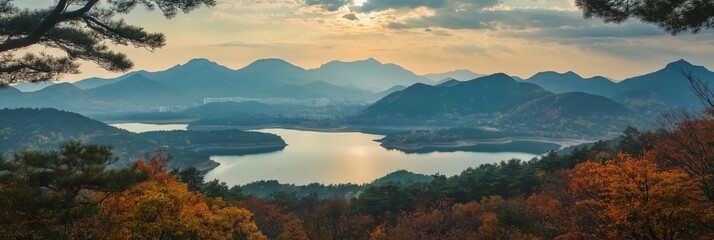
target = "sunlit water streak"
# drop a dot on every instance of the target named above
(328, 158)
(341, 158)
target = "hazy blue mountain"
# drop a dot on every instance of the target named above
(486, 95)
(61, 96)
(571, 112)
(229, 109)
(391, 90)
(367, 74)
(462, 75)
(337, 92)
(197, 74)
(449, 82)
(96, 82)
(572, 82)
(9, 91)
(31, 87)
(273, 70)
(93, 82)
(8, 95)
(201, 78)
(665, 88)
(138, 90)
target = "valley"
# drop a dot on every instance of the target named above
(410, 113)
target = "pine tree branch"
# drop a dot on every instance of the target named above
(51, 20)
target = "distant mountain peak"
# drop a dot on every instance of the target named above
(497, 76)
(137, 77)
(679, 64)
(571, 74)
(62, 87)
(554, 74)
(372, 60)
(199, 62)
(270, 63)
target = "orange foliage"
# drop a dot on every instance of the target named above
(473, 220)
(272, 220)
(335, 219)
(164, 208)
(690, 146)
(628, 198)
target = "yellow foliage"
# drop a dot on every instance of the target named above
(632, 198)
(164, 208)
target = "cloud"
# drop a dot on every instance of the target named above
(351, 16)
(599, 31)
(381, 5)
(329, 5)
(496, 19)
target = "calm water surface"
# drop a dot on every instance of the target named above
(332, 158)
(341, 158)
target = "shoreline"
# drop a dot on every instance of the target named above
(159, 122)
(376, 130)
(564, 142)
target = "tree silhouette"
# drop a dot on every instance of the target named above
(82, 29)
(674, 16)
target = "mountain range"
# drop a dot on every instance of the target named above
(400, 94)
(188, 84)
(500, 102)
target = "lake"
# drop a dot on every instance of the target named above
(341, 158)
(146, 127)
(332, 158)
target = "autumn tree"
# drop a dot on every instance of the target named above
(632, 198)
(336, 219)
(46, 195)
(82, 29)
(274, 221)
(491, 218)
(689, 145)
(164, 208)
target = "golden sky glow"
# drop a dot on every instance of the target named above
(518, 37)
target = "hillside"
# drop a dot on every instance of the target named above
(367, 74)
(572, 82)
(231, 142)
(665, 88)
(138, 90)
(571, 112)
(461, 75)
(478, 98)
(35, 129)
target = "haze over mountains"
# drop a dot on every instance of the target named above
(399, 95)
(461, 75)
(498, 101)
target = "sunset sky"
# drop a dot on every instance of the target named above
(518, 37)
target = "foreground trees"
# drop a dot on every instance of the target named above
(71, 193)
(52, 194)
(164, 208)
(652, 185)
(673, 16)
(81, 29)
(632, 198)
